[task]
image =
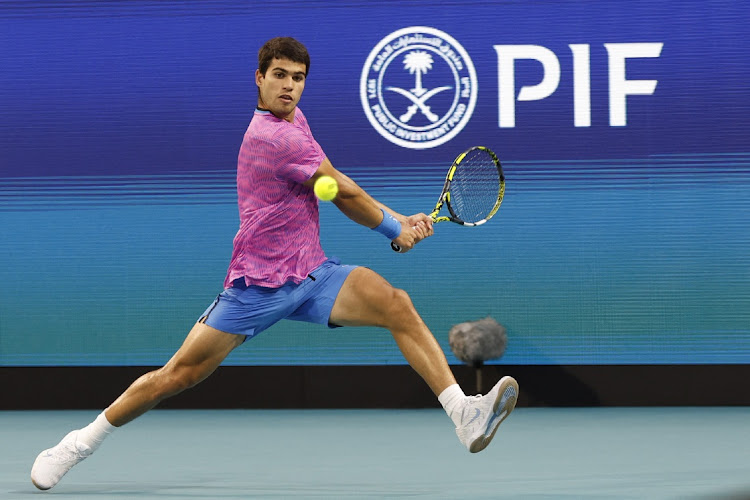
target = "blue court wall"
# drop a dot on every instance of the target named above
(623, 129)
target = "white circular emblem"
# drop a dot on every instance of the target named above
(418, 87)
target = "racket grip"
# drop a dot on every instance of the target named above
(395, 247)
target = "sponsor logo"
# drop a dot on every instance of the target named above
(476, 416)
(418, 87)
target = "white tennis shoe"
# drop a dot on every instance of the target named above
(482, 415)
(52, 464)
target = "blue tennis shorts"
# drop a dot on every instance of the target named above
(248, 310)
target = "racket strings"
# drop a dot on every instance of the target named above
(475, 187)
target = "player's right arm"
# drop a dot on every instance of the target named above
(363, 209)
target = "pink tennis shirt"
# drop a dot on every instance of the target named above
(279, 235)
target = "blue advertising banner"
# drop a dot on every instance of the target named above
(622, 126)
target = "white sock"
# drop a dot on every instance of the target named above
(452, 399)
(93, 434)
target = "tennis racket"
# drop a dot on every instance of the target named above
(473, 189)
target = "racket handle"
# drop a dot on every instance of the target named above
(397, 248)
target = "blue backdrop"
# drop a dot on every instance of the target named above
(623, 129)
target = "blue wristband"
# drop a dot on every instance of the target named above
(390, 227)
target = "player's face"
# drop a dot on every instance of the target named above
(281, 87)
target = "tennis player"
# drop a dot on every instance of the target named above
(279, 271)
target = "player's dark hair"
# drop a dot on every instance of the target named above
(283, 48)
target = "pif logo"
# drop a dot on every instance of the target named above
(418, 87)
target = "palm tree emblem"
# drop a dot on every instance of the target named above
(418, 62)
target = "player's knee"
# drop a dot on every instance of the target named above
(401, 309)
(401, 298)
(175, 379)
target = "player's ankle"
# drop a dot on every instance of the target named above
(96, 432)
(453, 400)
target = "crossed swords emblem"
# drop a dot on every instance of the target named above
(418, 62)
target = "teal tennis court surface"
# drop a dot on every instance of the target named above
(539, 453)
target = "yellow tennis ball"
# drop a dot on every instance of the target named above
(326, 188)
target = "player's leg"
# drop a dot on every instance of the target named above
(367, 299)
(201, 353)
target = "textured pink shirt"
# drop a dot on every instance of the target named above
(279, 235)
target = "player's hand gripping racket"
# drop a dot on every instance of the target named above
(473, 189)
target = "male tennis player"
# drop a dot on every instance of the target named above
(279, 271)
